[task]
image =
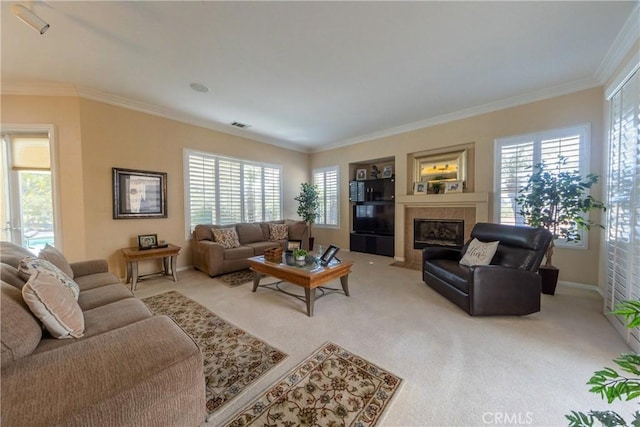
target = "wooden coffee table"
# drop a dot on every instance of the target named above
(310, 276)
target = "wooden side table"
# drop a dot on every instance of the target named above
(169, 257)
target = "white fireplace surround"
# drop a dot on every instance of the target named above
(479, 201)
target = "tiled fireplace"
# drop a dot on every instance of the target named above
(467, 216)
(468, 207)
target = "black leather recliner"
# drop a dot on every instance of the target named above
(510, 285)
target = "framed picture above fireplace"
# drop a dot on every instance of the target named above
(447, 166)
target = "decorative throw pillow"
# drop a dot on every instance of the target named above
(479, 253)
(227, 237)
(54, 304)
(56, 258)
(20, 330)
(278, 232)
(29, 265)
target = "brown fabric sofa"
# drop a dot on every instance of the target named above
(211, 258)
(130, 367)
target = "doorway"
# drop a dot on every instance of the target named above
(28, 214)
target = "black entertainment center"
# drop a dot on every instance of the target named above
(373, 216)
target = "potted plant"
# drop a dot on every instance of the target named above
(558, 201)
(300, 254)
(612, 384)
(308, 205)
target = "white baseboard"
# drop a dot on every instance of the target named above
(399, 258)
(584, 286)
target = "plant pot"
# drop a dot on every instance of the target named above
(311, 240)
(549, 276)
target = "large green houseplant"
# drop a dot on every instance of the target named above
(559, 201)
(308, 206)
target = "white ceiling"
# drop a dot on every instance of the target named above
(312, 75)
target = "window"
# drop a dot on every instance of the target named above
(515, 156)
(326, 179)
(623, 204)
(222, 190)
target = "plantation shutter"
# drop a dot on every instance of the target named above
(253, 193)
(516, 160)
(222, 190)
(326, 179)
(229, 191)
(272, 194)
(623, 204)
(515, 157)
(201, 190)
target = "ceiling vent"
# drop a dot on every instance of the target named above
(240, 125)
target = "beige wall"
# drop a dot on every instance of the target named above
(94, 137)
(64, 113)
(582, 107)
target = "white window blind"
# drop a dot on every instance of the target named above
(222, 190)
(327, 181)
(515, 156)
(623, 204)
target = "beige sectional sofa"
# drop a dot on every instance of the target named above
(212, 258)
(130, 367)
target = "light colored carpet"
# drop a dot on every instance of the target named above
(332, 387)
(458, 370)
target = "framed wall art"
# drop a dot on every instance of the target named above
(387, 172)
(361, 174)
(139, 194)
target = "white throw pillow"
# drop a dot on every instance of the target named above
(30, 265)
(479, 253)
(54, 304)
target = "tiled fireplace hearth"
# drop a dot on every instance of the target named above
(468, 207)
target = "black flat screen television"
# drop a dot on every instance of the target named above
(374, 219)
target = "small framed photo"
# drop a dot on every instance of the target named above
(453, 186)
(147, 241)
(328, 255)
(419, 188)
(293, 244)
(387, 172)
(361, 174)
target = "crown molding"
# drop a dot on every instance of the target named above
(515, 101)
(24, 88)
(629, 35)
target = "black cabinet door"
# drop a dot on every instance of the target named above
(372, 244)
(389, 189)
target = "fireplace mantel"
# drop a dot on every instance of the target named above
(450, 199)
(479, 201)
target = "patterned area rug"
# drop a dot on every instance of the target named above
(333, 387)
(236, 278)
(233, 359)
